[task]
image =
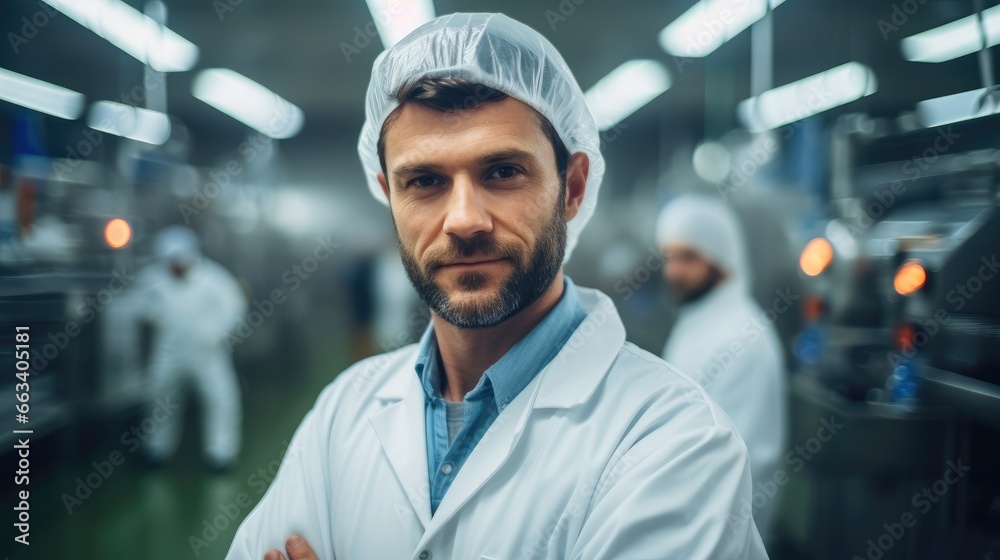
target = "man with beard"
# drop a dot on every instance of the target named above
(722, 338)
(522, 424)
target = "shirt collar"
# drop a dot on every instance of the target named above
(505, 379)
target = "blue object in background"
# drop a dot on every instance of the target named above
(808, 347)
(903, 384)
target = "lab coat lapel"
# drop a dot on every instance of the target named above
(568, 380)
(573, 375)
(400, 429)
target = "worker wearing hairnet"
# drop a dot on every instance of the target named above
(722, 338)
(193, 303)
(522, 425)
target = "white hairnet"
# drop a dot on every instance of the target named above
(499, 52)
(708, 226)
(177, 243)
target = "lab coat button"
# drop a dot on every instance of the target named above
(425, 554)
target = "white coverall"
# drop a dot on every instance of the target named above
(191, 317)
(725, 342)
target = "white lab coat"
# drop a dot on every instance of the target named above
(191, 318)
(725, 342)
(607, 453)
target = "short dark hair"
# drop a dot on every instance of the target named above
(456, 94)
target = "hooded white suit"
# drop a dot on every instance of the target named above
(725, 342)
(192, 317)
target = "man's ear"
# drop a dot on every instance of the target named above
(384, 184)
(577, 170)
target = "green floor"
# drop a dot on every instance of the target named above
(173, 512)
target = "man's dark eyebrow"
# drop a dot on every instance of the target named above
(506, 155)
(416, 168)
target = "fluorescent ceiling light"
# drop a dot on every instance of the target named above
(395, 19)
(954, 108)
(712, 162)
(136, 123)
(248, 102)
(625, 89)
(298, 210)
(952, 40)
(709, 24)
(806, 97)
(40, 96)
(133, 32)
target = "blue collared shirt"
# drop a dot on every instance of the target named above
(498, 386)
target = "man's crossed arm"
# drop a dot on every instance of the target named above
(297, 549)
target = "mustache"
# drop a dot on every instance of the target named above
(484, 247)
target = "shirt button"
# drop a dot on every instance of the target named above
(446, 469)
(425, 554)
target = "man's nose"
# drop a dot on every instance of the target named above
(467, 211)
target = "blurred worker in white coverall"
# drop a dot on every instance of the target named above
(192, 303)
(722, 338)
(522, 424)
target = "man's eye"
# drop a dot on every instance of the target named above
(504, 172)
(424, 181)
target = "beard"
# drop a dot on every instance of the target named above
(531, 276)
(686, 295)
